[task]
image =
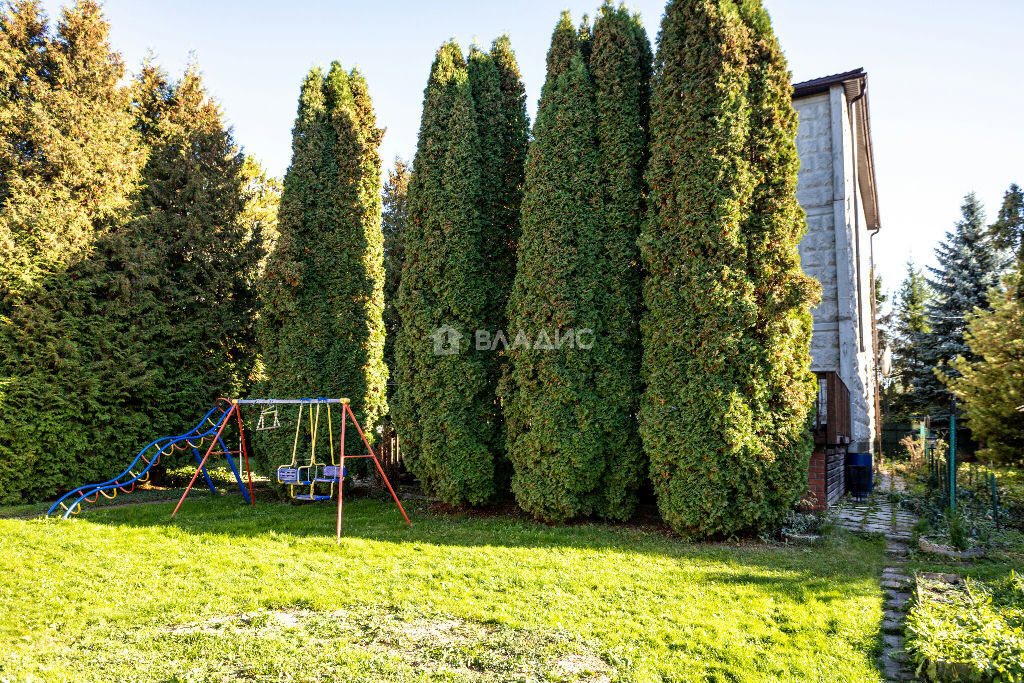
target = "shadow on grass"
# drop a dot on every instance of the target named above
(370, 519)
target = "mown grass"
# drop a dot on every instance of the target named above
(227, 591)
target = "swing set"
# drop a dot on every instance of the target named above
(211, 428)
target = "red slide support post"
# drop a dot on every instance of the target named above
(216, 439)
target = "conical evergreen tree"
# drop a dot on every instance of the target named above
(1008, 230)
(321, 329)
(779, 387)
(485, 84)
(726, 332)
(189, 261)
(910, 324)
(620, 66)
(552, 407)
(445, 403)
(68, 159)
(513, 134)
(969, 267)
(394, 217)
(69, 163)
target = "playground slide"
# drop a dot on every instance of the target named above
(208, 429)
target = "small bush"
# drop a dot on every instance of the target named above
(956, 525)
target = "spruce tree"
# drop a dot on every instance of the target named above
(394, 217)
(321, 328)
(969, 266)
(69, 163)
(727, 326)
(445, 401)
(910, 324)
(1008, 230)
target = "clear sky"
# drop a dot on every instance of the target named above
(945, 81)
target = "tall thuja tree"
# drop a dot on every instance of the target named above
(727, 325)
(395, 213)
(187, 261)
(364, 372)
(620, 67)
(321, 329)
(513, 127)
(495, 227)
(553, 409)
(970, 266)
(444, 411)
(69, 163)
(775, 382)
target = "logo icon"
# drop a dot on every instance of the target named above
(446, 340)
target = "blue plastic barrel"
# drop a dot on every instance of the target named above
(859, 474)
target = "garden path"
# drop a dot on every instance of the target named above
(880, 514)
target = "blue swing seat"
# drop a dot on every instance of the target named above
(292, 475)
(329, 474)
(314, 497)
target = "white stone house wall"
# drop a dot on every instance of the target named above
(835, 250)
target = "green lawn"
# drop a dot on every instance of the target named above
(232, 592)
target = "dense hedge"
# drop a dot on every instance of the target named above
(571, 432)
(321, 329)
(134, 311)
(727, 328)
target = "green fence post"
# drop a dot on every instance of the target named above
(952, 457)
(995, 499)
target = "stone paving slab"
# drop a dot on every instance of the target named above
(879, 515)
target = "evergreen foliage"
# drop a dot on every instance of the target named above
(910, 324)
(992, 384)
(69, 162)
(68, 157)
(779, 388)
(321, 329)
(969, 266)
(394, 217)
(445, 403)
(187, 257)
(727, 328)
(513, 127)
(1008, 230)
(620, 67)
(570, 407)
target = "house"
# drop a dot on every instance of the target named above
(837, 191)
